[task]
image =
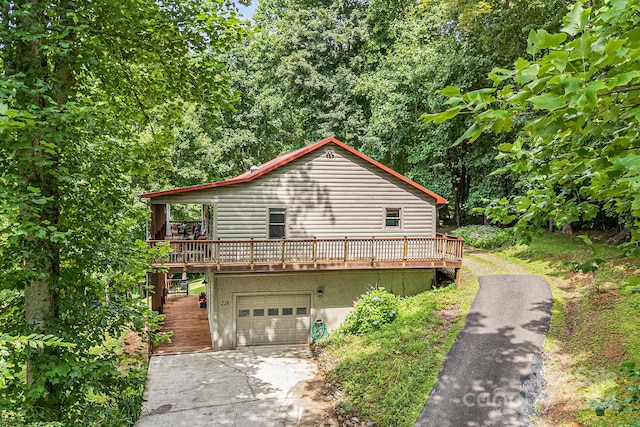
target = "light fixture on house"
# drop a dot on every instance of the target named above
(205, 281)
(320, 291)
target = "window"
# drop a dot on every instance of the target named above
(243, 313)
(287, 311)
(273, 311)
(301, 310)
(277, 223)
(392, 218)
(258, 312)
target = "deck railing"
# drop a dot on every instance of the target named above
(314, 251)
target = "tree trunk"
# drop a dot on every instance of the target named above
(39, 163)
(567, 228)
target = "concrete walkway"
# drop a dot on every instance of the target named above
(492, 375)
(257, 386)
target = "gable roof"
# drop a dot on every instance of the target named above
(287, 158)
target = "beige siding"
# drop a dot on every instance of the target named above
(324, 197)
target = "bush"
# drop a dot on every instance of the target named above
(370, 312)
(485, 236)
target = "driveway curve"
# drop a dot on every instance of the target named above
(492, 375)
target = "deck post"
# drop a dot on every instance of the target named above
(458, 276)
(405, 248)
(283, 253)
(346, 250)
(251, 252)
(315, 252)
(218, 254)
(373, 251)
(157, 281)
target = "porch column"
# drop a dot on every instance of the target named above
(157, 282)
(159, 222)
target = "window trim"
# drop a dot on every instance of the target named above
(387, 217)
(284, 224)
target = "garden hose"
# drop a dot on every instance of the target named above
(318, 330)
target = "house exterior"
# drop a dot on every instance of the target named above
(296, 240)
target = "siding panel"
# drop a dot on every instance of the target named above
(325, 197)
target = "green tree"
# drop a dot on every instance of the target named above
(306, 60)
(437, 44)
(79, 81)
(579, 99)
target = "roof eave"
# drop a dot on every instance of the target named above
(287, 158)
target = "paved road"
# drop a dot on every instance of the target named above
(492, 375)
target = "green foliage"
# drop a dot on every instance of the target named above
(371, 311)
(578, 99)
(632, 400)
(78, 83)
(485, 236)
(591, 264)
(386, 375)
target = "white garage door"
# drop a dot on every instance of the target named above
(272, 319)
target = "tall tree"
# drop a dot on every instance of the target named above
(79, 80)
(578, 94)
(308, 56)
(437, 44)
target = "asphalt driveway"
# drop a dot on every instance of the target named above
(493, 374)
(257, 386)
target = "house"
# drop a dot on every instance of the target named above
(296, 240)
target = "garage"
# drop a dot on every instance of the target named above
(272, 319)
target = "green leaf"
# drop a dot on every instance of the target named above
(576, 20)
(441, 117)
(450, 91)
(471, 134)
(541, 39)
(548, 101)
(493, 114)
(623, 79)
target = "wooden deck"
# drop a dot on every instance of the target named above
(189, 324)
(309, 254)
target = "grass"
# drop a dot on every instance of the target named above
(485, 236)
(387, 375)
(196, 286)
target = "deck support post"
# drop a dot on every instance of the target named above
(315, 252)
(283, 255)
(405, 250)
(373, 251)
(346, 250)
(158, 283)
(251, 253)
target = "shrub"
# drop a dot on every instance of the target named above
(371, 311)
(485, 236)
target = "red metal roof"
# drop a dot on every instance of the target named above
(289, 157)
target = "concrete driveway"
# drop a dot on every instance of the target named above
(257, 386)
(493, 374)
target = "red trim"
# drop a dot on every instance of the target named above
(289, 157)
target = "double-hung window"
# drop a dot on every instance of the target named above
(277, 224)
(392, 217)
